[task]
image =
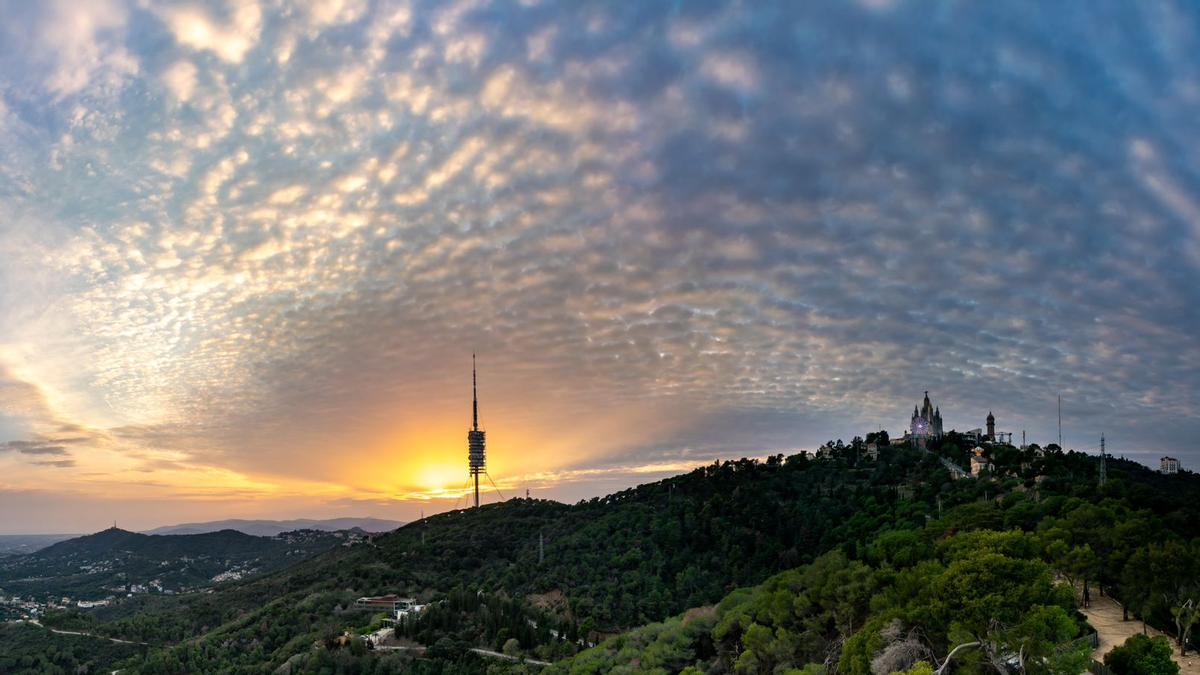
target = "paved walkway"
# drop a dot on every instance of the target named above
(478, 650)
(1105, 617)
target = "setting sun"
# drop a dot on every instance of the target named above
(441, 478)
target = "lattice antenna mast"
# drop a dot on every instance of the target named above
(1060, 446)
(476, 439)
(1103, 463)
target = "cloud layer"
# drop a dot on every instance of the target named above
(251, 248)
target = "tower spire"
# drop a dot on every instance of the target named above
(476, 456)
(1103, 463)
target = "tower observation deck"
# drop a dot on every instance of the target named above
(476, 454)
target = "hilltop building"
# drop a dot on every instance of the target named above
(926, 423)
(1168, 465)
(979, 463)
(994, 436)
(394, 605)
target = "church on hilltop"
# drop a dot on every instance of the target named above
(926, 425)
(926, 422)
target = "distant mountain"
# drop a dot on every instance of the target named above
(114, 540)
(113, 560)
(270, 528)
(20, 544)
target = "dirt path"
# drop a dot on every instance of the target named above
(1105, 617)
(506, 657)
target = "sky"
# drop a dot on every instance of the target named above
(247, 249)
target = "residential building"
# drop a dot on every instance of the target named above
(979, 463)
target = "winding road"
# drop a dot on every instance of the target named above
(91, 635)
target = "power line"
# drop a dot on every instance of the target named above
(465, 491)
(489, 477)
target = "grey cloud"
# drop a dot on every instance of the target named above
(767, 226)
(33, 447)
(60, 463)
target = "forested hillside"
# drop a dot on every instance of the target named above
(26, 648)
(978, 582)
(633, 557)
(857, 554)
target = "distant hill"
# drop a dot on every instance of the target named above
(270, 528)
(106, 562)
(114, 540)
(20, 544)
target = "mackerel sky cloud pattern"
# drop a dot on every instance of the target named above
(248, 248)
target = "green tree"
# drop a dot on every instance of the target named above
(1142, 655)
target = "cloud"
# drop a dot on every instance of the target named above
(323, 13)
(33, 448)
(180, 80)
(57, 463)
(228, 39)
(670, 234)
(85, 40)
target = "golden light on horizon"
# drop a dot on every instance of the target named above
(439, 477)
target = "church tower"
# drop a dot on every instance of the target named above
(991, 426)
(926, 421)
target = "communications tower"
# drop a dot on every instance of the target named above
(476, 458)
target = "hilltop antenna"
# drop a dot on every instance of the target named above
(476, 458)
(1060, 421)
(1103, 463)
